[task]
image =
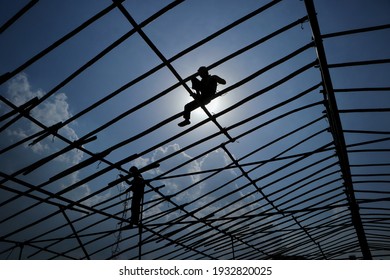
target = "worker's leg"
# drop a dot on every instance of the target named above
(135, 211)
(188, 108)
(187, 112)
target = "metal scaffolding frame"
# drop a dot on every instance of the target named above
(300, 202)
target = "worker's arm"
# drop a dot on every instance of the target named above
(219, 80)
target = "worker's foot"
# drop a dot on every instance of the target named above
(184, 123)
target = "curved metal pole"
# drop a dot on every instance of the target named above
(337, 131)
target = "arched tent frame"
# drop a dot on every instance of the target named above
(290, 178)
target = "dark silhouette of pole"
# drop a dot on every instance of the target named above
(140, 230)
(336, 129)
(19, 14)
(21, 245)
(75, 233)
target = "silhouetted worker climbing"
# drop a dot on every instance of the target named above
(205, 92)
(137, 186)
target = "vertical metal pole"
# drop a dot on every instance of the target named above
(234, 257)
(336, 127)
(140, 229)
(21, 245)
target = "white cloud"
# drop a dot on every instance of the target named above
(86, 190)
(215, 159)
(141, 162)
(51, 111)
(19, 90)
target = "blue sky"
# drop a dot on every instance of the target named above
(176, 30)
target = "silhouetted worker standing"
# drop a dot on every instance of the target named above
(205, 92)
(137, 187)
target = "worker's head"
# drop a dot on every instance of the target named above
(203, 72)
(134, 170)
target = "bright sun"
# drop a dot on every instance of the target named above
(213, 107)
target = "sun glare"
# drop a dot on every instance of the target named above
(213, 107)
